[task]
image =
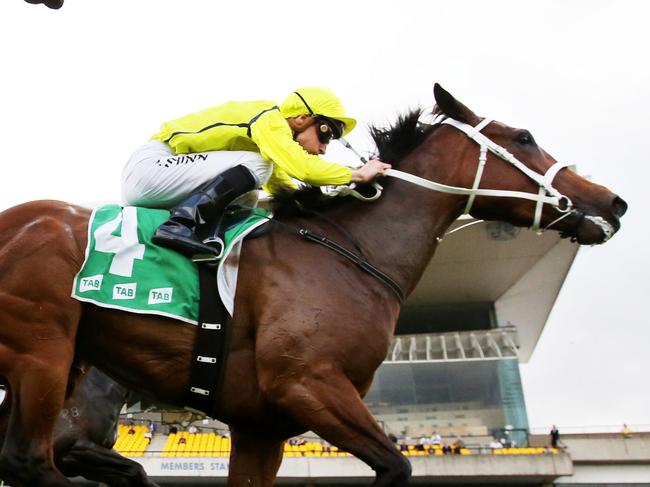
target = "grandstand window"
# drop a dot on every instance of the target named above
(462, 393)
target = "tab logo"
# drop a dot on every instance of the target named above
(124, 291)
(92, 283)
(161, 295)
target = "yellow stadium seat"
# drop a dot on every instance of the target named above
(131, 445)
(317, 449)
(224, 446)
(201, 442)
(288, 452)
(209, 445)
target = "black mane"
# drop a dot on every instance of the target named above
(396, 141)
(393, 144)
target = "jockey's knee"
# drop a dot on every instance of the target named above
(260, 168)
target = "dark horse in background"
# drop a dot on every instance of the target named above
(309, 328)
(86, 431)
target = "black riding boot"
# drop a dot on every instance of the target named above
(201, 208)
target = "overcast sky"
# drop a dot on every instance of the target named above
(83, 87)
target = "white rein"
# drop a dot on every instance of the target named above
(547, 194)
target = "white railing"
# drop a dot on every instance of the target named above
(592, 429)
(496, 343)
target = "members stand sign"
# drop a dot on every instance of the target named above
(185, 467)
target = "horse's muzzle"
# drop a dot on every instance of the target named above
(597, 229)
(619, 207)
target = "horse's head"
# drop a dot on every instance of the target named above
(577, 208)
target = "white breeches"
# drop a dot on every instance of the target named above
(157, 178)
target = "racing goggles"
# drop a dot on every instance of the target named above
(328, 128)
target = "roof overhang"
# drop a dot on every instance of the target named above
(517, 270)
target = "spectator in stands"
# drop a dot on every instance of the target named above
(131, 428)
(422, 444)
(192, 429)
(495, 444)
(506, 440)
(148, 435)
(173, 430)
(555, 436)
(435, 439)
(446, 448)
(327, 447)
(457, 445)
(625, 431)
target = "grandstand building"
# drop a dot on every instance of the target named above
(477, 313)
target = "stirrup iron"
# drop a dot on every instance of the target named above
(216, 243)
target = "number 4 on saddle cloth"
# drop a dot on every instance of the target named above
(124, 270)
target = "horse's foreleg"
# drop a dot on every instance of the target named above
(329, 405)
(254, 458)
(36, 368)
(37, 396)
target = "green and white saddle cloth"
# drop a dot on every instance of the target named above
(124, 270)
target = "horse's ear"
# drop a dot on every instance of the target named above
(452, 107)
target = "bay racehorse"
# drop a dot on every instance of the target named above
(86, 430)
(309, 328)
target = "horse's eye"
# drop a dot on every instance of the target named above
(525, 138)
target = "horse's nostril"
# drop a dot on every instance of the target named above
(619, 206)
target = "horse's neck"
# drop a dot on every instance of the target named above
(399, 233)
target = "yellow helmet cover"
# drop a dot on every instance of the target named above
(313, 100)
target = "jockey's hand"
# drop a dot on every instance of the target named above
(369, 171)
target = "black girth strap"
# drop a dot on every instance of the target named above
(210, 347)
(359, 260)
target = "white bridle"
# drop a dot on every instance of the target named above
(547, 194)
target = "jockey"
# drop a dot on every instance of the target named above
(198, 164)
